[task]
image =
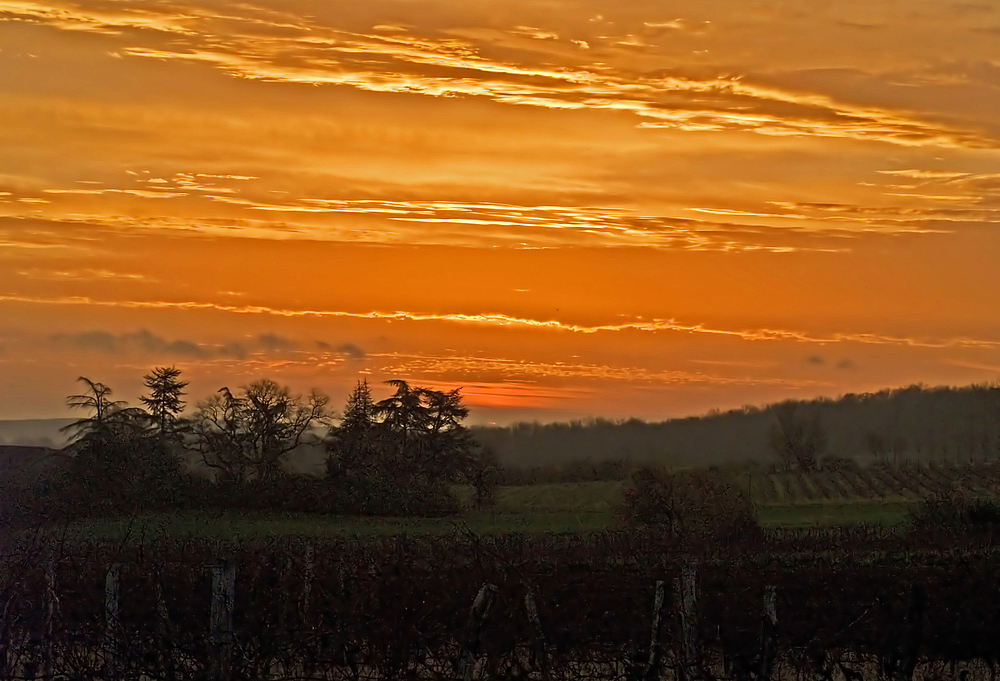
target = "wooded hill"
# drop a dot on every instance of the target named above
(939, 424)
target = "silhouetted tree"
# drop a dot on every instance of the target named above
(248, 437)
(114, 464)
(108, 418)
(447, 446)
(164, 402)
(403, 417)
(798, 440)
(353, 446)
(688, 502)
(485, 478)
(877, 445)
(422, 433)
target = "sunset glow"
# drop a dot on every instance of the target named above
(572, 208)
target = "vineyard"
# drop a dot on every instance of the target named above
(847, 485)
(881, 483)
(843, 485)
(635, 606)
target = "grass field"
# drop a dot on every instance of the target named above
(566, 497)
(562, 508)
(783, 500)
(829, 515)
(240, 526)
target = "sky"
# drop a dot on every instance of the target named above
(568, 208)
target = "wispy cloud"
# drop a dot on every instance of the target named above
(267, 345)
(142, 340)
(519, 370)
(349, 350)
(319, 52)
(786, 227)
(83, 274)
(497, 320)
(250, 181)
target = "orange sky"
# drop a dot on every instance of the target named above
(572, 208)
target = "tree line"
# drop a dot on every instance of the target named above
(397, 456)
(893, 426)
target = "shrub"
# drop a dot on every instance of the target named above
(688, 502)
(387, 496)
(484, 475)
(577, 470)
(983, 513)
(952, 512)
(369, 495)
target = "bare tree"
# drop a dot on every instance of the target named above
(798, 439)
(484, 476)
(248, 437)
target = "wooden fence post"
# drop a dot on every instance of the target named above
(112, 622)
(913, 632)
(477, 617)
(50, 613)
(223, 593)
(166, 656)
(541, 657)
(689, 621)
(768, 634)
(6, 635)
(652, 670)
(308, 574)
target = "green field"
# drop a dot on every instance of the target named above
(875, 496)
(877, 484)
(830, 515)
(564, 508)
(262, 526)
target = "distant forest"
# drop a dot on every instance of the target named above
(942, 424)
(906, 424)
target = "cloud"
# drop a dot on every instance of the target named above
(274, 343)
(155, 344)
(146, 342)
(486, 224)
(536, 68)
(99, 341)
(233, 350)
(819, 360)
(500, 320)
(142, 340)
(520, 370)
(722, 103)
(349, 350)
(507, 393)
(924, 174)
(85, 274)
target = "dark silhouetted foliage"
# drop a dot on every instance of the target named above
(354, 447)
(688, 502)
(164, 402)
(402, 451)
(797, 438)
(915, 423)
(484, 477)
(247, 437)
(952, 512)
